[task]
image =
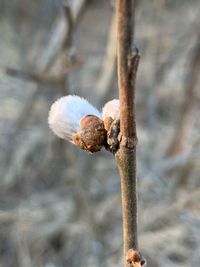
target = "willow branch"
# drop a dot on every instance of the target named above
(128, 59)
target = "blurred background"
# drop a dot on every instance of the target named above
(60, 206)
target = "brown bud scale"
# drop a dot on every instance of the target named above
(107, 123)
(92, 134)
(113, 129)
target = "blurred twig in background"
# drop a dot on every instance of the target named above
(191, 84)
(51, 79)
(108, 66)
(54, 54)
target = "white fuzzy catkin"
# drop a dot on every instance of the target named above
(65, 115)
(111, 109)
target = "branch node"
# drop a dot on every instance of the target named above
(127, 142)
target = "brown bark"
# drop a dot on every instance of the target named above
(128, 59)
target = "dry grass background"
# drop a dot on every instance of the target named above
(60, 206)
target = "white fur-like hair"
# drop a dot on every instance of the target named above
(65, 115)
(111, 109)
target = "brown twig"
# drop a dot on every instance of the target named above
(128, 59)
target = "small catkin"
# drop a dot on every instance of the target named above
(73, 118)
(66, 113)
(111, 109)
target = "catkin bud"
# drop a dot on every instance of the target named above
(73, 118)
(111, 109)
(111, 113)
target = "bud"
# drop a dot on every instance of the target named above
(111, 109)
(134, 258)
(73, 118)
(111, 113)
